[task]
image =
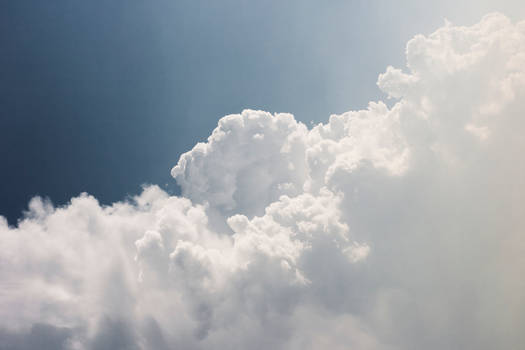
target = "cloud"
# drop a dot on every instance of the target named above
(387, 228)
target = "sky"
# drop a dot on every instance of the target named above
(104, 97)
(285, 175)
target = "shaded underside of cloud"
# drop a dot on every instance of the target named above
(387, 228)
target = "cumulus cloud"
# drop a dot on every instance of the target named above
(387, 228)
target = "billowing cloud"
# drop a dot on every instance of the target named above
(395, 227)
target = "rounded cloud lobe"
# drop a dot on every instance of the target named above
(388, 228)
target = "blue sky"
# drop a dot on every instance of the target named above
(103, 96)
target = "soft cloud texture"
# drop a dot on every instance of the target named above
(388, 228)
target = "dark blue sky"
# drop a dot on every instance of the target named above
(103, 96)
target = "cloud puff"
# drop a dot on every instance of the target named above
(388, 228)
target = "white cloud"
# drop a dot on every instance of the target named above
(386, 228)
